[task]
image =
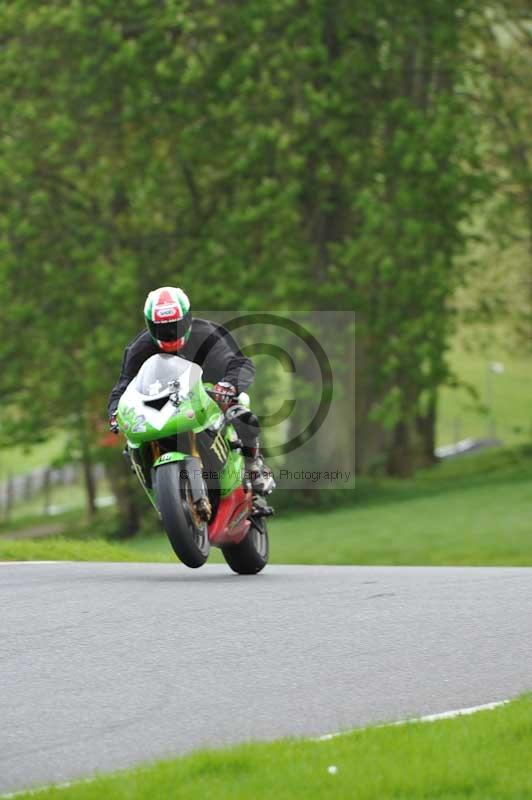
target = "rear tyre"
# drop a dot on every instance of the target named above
(187, 534)
(251, 554)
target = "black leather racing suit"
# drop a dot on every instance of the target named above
(212, 347)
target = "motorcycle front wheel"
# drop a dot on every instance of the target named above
(187, 533)
(251, 554)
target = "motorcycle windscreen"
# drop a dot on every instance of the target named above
(158, 374)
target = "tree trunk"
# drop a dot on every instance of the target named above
(372, 440)
(127, 494)
(88, 479)
(400, 460)
(87, 466)
(426, 436)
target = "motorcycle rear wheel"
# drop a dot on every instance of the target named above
(189, 540)
(249, 556)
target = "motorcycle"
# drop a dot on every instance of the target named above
(187, 456)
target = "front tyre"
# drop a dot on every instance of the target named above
(251, 554)
(188, 534)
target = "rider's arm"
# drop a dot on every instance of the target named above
(236, 368)
(135, 354)
(213, 347)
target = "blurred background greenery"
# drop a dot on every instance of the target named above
(293, 155)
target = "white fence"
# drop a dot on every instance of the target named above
(18, 489)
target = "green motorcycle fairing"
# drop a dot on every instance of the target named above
(168, 398)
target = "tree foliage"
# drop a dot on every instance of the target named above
(292, 154)
(499, 88)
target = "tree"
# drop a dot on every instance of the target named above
(315, 153)
(500, 94)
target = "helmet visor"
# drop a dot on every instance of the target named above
(170, 331)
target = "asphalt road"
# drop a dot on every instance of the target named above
(106, 665)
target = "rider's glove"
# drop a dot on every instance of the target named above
(113, 425)
(224, 394)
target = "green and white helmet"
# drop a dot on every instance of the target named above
(168, 318)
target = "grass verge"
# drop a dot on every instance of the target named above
(472, 511)
(507, 395)
(469, 512)
(476, 511)
(59, 548)
(480, 757)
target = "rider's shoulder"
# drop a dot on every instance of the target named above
(199, 323)
(203, 326)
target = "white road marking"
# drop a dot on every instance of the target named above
(41, 789)
(11, 563)
(459, 712)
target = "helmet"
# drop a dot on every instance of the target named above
(168, 319)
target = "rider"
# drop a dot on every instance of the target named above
(172, 329)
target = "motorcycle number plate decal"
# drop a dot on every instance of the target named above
(140, 425)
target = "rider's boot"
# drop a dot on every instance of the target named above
(258, 472)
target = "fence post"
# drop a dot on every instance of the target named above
(47, 489)
(9, 497)
(27, 487)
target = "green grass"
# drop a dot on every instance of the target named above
(58, 548)
(458, 414)
(481, 757)
(477, 518)
(475, 510)
(18, 460)
(23, 521)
